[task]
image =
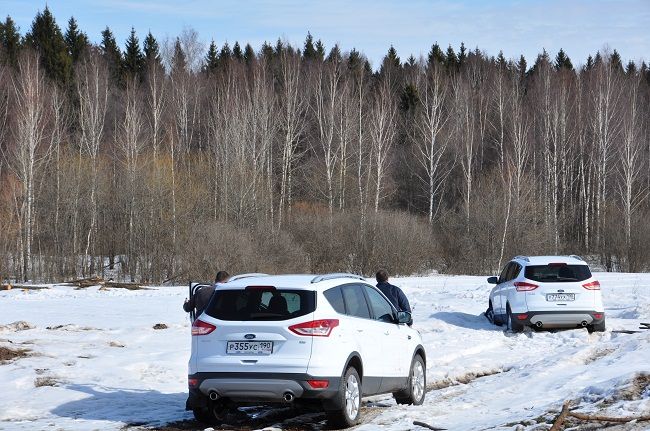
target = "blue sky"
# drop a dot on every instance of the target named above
(517, 27)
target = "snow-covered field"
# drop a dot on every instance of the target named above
(97, 362)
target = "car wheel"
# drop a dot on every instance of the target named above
(349, 399)
(512, 324)
(417, 384)
(215, 414)
(489, 314)
(597, 327)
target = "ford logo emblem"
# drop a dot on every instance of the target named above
(249, 336)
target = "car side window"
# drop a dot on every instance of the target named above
(381, 308)
(504, 274)
(355, 301)
(514, 270)
(335, 297)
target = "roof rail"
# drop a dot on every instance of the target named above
(251, 274)
(334, 275)
(575, 256)
(522, 258)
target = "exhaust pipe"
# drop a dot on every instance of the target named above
(583, 323)
(213, 395)
(288, 397)
(538, 325)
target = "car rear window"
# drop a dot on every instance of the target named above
(261, 304)
(557, 273)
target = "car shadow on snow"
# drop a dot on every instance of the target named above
(131, 406)
(465, 320)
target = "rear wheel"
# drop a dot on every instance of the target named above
(417, 384)
(349, 399)
(513, 324)
(597, 327)
(214, 414)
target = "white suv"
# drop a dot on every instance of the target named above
(328, 339)
(546, 292)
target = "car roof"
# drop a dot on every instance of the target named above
(545, 260)
(294, 281)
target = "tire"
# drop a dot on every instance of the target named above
(215, 414)
(349, 397)
(597, 327)
(491, 317)
(417, 384)
(512, 324)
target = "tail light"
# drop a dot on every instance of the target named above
(318, 384)
(522, 316)
(598, 315)
(192, 383)
(594, 285)
(199, 327)
(316, 328)
(522, 286)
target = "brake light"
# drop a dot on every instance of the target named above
(192, 383)
(199, 327)
(260, 288)
(318, 384)
(316, 328)
(556, 264)
(594, 285)
(522, 286)
(522, 316)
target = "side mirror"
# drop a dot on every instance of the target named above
(403, 317)
(493, 280)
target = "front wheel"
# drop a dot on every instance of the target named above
(417, 384)
(350, 401)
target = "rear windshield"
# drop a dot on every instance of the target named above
(554, 273)
(261, 304)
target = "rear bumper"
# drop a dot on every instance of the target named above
(560, 318)
(258, 387)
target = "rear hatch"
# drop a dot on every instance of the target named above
(247, 330)
(560, 286)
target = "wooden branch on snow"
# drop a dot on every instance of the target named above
(425, 425)
(557, 424)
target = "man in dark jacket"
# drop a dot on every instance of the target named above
(202, 296)
(393, 293)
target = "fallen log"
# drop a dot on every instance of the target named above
(557, 424)
(599, 418)
(427, 426)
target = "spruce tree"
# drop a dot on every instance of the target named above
(179, 62)
(462, 55)
(10, 41)
(133, 62)
(151, 51)
(436, 56)
(451, 61)
(211, 58)
(75, 40)
(249, 54)
(320, 50)
(630, 69)
(308, 51)
(335, 55)
(267, 51)
(562, 61)
(501, 61)
(522, 66)
(590, 63)
(615, 62)
(46, 38)
(237, 53)
(112, 55)
(225, 55)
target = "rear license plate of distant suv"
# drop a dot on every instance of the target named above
(560, 297)
(249, 347)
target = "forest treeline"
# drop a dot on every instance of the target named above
(170, 161)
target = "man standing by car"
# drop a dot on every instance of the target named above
(202, 296)
(393, 293)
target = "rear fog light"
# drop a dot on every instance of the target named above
(318, 384)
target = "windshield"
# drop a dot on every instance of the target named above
(553, 273)
(261, 304)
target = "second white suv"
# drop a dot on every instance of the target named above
(325, 340)
(546, 292)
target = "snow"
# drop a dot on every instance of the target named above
(99, 364)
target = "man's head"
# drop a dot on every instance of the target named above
(382, 276)
(222, 277)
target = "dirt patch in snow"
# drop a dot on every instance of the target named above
(21, 325)
(463, 379)
(7, 354)
(597, 354)
(160, 326)
(46, 381)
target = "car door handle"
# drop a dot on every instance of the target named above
(359, 330)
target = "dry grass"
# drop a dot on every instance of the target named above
(7, 354)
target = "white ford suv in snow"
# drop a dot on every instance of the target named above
(326, 340)
(546, 292)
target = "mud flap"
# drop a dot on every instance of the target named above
(196, 401)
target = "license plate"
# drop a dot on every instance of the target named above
(249, 347)
(560, 297)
